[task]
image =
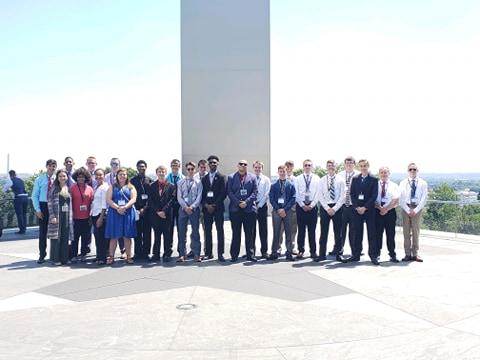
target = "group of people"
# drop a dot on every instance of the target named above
(71, 203)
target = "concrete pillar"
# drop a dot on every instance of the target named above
(225, 55)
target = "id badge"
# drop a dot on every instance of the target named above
(210, 194)
(281, 201)
(361, 197)
(414, 201)
(144, 196)
(185, 199)
(83, 207)
(243, 192)
(384, 200)
(121, 202)
(65, 208)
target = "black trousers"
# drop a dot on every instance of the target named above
(325, 220)
(162, 227)
(42, 229)
(101, 244)
(386, 223)
(306, 220)
(369, 218)
(209, 219)
(262, 216)
(143, 241)
(239, 219)
(347, 221)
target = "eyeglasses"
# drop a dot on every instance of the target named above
(114, 164)
(190, 169)
(242, 164)
(307, 165)
(212, 162)
(91, 163)
(412, 169)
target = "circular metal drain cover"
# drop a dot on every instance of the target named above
(186, 307)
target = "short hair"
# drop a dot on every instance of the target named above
(307, 160)
(100, 169)
(331, 162)
(12, 173)
(384, 167)
(68, 157)
(84, 172)
(51, 162)
(202, 162)
(289, 163)
(191, 163)
(175, 161)
(349, 158)
(213, 157)
(281, 167)
(139, 162)
(364, 161)
(91, 158)
(161, 167)
(258, 162)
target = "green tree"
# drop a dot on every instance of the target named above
(441, 216)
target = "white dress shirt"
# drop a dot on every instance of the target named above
(325, 198)
(392, 192)
(421, 194)
(301, 183)
(263, 185)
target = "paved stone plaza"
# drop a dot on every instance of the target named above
(264, 310)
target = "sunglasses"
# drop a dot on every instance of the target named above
(212, 162)
(412, 169)
(114, 164)
(307, 165)
(190, 169)
(242, 164)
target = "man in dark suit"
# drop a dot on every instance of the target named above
(363, 192)
(242, 191)
(161, 198)
(213, 197)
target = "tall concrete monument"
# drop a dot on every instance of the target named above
(225, 56)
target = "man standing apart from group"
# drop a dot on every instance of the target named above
(40, 203)
(307, 188)
(386, 216)
(242, 190)
(364, 193)
(214, 192)
(332, 198)
(20, 203)
(413, 200)
(282, 198)
(263, 184)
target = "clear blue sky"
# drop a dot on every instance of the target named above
(392, 81)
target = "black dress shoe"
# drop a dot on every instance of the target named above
(320, 258)
(221, 258)
(41, 260)
(340, 258)
(273, 257)
(313, 255)
(190, 254)
(20, 232)
(290, 258)
(252, 259)
(332, 253)
(374, 261)
(407, 258)
(234, 259)
(394, 259)
(166, 259)
(353, 259)
(265, 256)
(207, 257)
(155, 258)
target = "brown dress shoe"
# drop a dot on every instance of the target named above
(197, 259)
(417, 258)
(181, 259)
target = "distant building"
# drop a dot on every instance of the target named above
(467, 196)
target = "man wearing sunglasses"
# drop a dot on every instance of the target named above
(413, 200)
(242, 190)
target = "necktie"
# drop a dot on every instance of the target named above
(347, 199)
(383, 189)
(175, 179)
(50, 183)
(282, 187)
(332, 188)
(414, 188)
(190, 197)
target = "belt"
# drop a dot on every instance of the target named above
(21, 195)
(332, 205)
(411, 206)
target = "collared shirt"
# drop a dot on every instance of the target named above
(302, 182)
(392, 192)
(17, 185)
(246, 191)
(421, 194)
(339, 187)
(110, 178)
(40, 190)
(263, 185)
(284, 191)
(171, 178)
(99, 201)
(189, 193)
(348, 176)
(197, 176)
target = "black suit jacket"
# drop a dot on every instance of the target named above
(219, 189)
(165, 202)
(369, 189)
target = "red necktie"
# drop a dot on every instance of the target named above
(50, 183)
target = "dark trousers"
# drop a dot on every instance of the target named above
(262, 216)
(237, 220)
(217, 217)
(369, 218)
(42, 229)
(20, 204)
(173, 222)
(347, 221)
(81, 230)
(143, 241)
(306, 220)
(162, 227)
(324, 228)
(101, 244)
(386, 223)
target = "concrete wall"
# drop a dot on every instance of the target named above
(225, 55)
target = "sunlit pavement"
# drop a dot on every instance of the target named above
(263, 310)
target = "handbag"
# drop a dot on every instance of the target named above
(135, 211)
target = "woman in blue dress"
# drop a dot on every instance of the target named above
(121, 197)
